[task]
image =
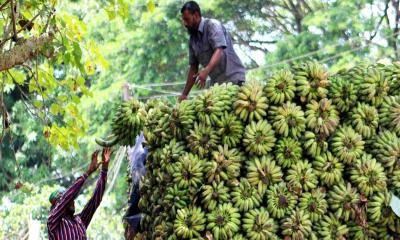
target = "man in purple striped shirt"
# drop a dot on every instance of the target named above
(62, 223)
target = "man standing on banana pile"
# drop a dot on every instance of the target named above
(62, 222)
(211, 46)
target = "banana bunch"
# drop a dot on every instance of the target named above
(259, 138)
(379, 210)
(395, 227)
(170, 154)
(365, 120)
(202, 139)
(288, 152)
(297, 226)
(301, 177)
(288, 120)
(362, 232)
(176, 198)
(263, 172)
(171, 237)
(392, 74)
(387, 150)
(189, 223)
(141, 236)
(331, 228)
(143, 201)
(238, 237)
(188, 171)
(368, 175)
(224, 165)
(109, 141)
(258, 225)
(389, 113)
(180, 120)
(251, 103)
(230, 129)
(347, 145)
(315, 144)
(224, 221)
(322, 116)
(245, 197)
(153, 134)
(155, 157)
(210, 105)
(384, 232)
(356, 74)
(374, 86)
(227, 93)
(163, 230)
(394, 181)
(314, 204)
(343, 93)
(128, 122)
(280, 201)
(312, 81)
(329, 169)
(342, 199)
(214, 194)
(152, 103)
(281, 87)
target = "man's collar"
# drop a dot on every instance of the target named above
(201, 25)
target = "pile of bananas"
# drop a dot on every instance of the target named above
(302, 155)
(127, 123)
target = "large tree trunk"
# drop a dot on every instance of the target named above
(25, 51)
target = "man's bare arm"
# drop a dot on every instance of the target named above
(189, 82)
(216, 57)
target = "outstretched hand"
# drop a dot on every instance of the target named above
(201, 78)
(182, 98)
(106, 154)
(93, 164)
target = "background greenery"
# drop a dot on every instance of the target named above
(58, 104)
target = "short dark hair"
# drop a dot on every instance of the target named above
(192, 7)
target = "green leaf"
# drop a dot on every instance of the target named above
(54, 108)
(110, 12)
(76, 99)
(38, 104)
(17, 76)
(80, 81)
(123, 9)
(151, 6)
(62, 98)
(77, 52)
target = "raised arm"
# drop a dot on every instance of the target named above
(61, 206)
(94, 202)
(88, 211)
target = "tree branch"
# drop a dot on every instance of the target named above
(22, 28)
(24, 52)
(247, 43)
(13, 10)
(396, 5)
(380, 21)
(306, 5)
(4, 4)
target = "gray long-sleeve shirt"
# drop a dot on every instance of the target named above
(210, 36)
